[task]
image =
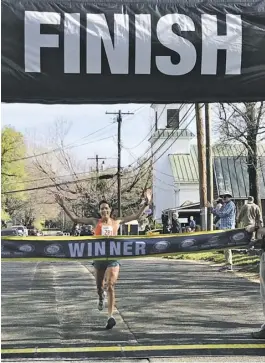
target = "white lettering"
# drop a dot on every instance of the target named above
(76, 249)
(100, 248)
(89, 249)
(142, 43)
(127, 248)
(182, 46)
(115, 248)
(211, 42)
(117, 47)
(34, 40)
(72, 43)
(140, 248)
(117, 52)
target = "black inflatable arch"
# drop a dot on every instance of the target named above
(85, 51)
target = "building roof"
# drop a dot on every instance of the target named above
(230, 168)
(166, 133)
(185, 166)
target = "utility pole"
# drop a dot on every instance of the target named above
(97, 158)
(209, 163)
(119, 121)
(202, 164)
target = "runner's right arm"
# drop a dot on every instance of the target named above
(72, 216)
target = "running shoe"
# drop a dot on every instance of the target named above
(110, 323)
(101, 301)
(226, 268)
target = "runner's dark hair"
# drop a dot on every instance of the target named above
(103, 201)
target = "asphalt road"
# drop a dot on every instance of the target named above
(165, 308)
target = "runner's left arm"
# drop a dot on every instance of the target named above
(135, 216)
(144, 206)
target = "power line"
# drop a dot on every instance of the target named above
(149, 132)
(168, 137)
(173, 130)
(56, 176)
(69, 146)
(137, 178)
(136, 181)
(106, 176)
(110, 176)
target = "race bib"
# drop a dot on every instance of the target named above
(106, 231)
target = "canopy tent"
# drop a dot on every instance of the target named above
(85, 51)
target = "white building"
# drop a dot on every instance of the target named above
(172, 186)
(175, 162)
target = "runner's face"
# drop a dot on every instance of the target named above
(104, 210)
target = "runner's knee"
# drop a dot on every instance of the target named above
(110, 286)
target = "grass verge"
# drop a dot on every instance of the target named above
(243, 262)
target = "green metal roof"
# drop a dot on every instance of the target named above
(230, 168)
(185, 166)
(235, 150)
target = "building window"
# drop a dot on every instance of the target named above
(173, 118)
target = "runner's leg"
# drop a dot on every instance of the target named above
(99, 275)
(112, 275)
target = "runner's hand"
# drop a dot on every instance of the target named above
(209, 205)
(147, 196)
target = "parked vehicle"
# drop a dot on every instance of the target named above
(10, 232)
(21, 230)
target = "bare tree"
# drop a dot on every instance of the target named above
(83, 196)
(244, 123)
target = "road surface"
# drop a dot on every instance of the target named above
(165, 308)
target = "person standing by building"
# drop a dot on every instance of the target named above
(175, 226)
(192, 224)
(250, 215)
(165, 223)
(218, 206)
(227, 215)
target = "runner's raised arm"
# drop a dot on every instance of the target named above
(144, 205)
(72, 216)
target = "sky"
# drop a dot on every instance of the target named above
(37, 121)
(90, 130)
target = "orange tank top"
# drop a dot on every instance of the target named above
(110, 229)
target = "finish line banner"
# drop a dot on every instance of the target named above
(146, 51)
(121, 247)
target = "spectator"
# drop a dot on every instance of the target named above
(87, 231)
(176, 226)
(219, 205)
(250, 215)
(227, 214)
(77, 230)
(165, 222)
(192, 224)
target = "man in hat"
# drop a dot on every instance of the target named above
(227, 215)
